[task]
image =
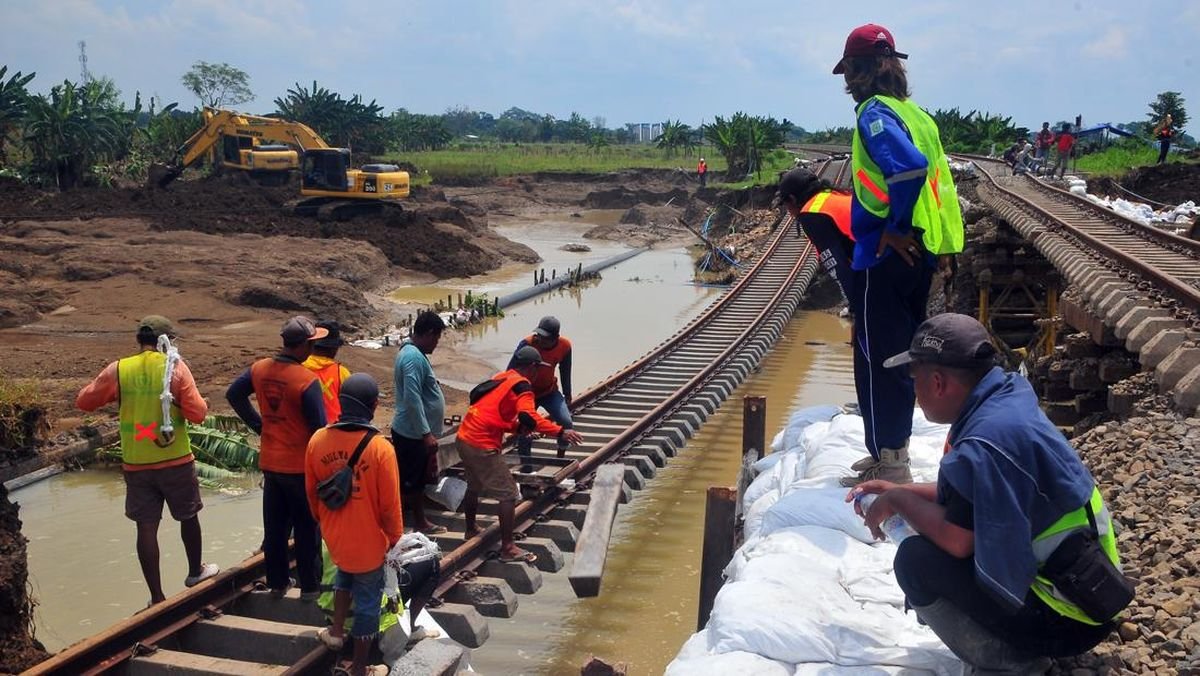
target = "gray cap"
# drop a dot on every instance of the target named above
(948, 339)
(548, 327)
(528, 356)
(299, 329)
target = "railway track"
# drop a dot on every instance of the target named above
(639, 417)
(1141, 282)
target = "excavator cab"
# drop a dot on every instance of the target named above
(333, 191)
(325, 169)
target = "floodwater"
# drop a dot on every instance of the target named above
(83, 567)
(648, 600)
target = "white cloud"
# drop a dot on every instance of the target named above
(1112, 44)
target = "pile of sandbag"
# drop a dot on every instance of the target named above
(809, 591)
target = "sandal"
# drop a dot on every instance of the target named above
(520, 556)
(329, 640)
(433, 529)
(423, 633)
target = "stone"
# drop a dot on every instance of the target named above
(1128, 631)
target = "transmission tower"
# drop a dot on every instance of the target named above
(84, 75)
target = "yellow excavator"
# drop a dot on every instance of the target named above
(269, 148)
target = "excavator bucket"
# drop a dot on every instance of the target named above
(161, 175)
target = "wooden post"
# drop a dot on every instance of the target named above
(591, 549)
(754, 426)
(719, 527)
(554, 273)
(449, 302)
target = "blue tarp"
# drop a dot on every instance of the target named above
(1101, 129)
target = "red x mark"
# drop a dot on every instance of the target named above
(145, 431)
(933, 183)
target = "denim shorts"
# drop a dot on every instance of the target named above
(366, 598)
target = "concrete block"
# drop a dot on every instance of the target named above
(643, 464)
(1149, 328)
(563, 533)
(549, 556)
(462, 623)
(491, 596)
(1121, 308)
(521, 578)
(634, 478)
(1187, 392)
(1105, 304)
(430, 658)
(1131, 320)
(652, 453)
(1178, 364)
(244, 638)
(175, 663)
(290, 609)
(574, 513)
(1157, 348)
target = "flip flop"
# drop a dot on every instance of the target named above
(523, 557)
(422, 633)
(435, 529)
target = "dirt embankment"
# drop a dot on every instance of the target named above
(1173, 183)
(18, 649)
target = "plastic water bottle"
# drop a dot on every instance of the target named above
(894, 527)
(391, 582)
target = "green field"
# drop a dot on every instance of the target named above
(1120, 158)
(482, 162)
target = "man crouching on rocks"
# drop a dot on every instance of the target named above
(1015, 561)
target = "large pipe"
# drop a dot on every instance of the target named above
(550, 285)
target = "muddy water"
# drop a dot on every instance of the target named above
(647, 604)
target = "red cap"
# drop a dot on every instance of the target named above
(869, 40)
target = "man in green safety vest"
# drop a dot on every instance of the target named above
(906, 222)
(1015, 560)
(157, 463)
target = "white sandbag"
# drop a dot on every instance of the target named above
(752, 520)
(831, 453)
(786, 469)
(825, 507)
(800, 420)
(694, 659)
(448, 492)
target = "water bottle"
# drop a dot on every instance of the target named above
(391, 582)
(894, 527)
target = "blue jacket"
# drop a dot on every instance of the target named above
(889, 145)
(1019, 473)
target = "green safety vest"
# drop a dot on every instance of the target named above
(1045, 542)
(139, 379)
(936, 214)
(387, 618)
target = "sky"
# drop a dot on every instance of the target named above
(629, 60)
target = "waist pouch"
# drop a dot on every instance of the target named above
(335, 490)
(1085, 576)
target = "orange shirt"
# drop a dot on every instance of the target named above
(544, 381)
(359, 534)
(278, 387)
(495, 414)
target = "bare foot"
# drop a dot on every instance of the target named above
(470, 533)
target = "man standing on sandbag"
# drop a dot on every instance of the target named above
(1015, 560)
(906, 221)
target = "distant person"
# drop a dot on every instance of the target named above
(331, 373)
(1044, 140)
(1164, 132)
(1015, 558)
(290, 409)
(499, 406)
(1010, 155)
(1025, 162)
(555, 351)
(1066, 145)
(359, 532)
(702, 172)
(906, 222)
(157, 467)
(823, 215)
(417, 420)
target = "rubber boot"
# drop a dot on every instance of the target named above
(891, 466)
(981, 650)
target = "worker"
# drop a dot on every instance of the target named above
(702, 172)
(1164, 132)
(1015, 559)
(158, 465)
(555, 351)
(361, 524)
(290, 408)
(330, 372)
(502, 405)
(420, 410)
(823, 215)
(905, 220)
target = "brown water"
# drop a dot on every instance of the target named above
(648, 602)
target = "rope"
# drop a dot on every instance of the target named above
(1144, 199)
(165, 346)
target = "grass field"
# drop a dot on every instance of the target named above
(481, 162)
(1119, 158)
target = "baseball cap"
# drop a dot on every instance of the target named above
(799, 183)
(548, 327)
(948, 339)
(334, 339)
(160, 325)
(299, 329)
(868, 40)
(528, 356)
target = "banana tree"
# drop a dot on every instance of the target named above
(74, 127)
(14, 100)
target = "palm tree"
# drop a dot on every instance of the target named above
(13, 104)
(676, 136)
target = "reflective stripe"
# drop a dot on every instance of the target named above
(867, 183)
(818, 201)
(905, 175)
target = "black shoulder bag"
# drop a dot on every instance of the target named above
(334, 491)
(1083, 573)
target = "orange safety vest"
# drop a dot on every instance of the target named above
(330, 376)
(544, 381)
(485, 423)
(278, 387)
(702, 168)
(834, 204)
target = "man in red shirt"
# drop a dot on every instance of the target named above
(500, 406)
(158, 467)
(1044, 140)
(1066, 143)
(555, 352)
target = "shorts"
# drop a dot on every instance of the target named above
(147, 489)
(366, 599)
(487, 473)
(418, 467)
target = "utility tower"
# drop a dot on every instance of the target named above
(84, 75)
